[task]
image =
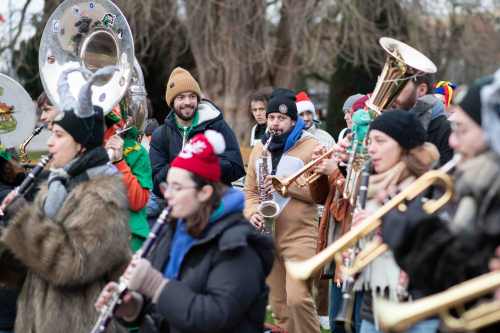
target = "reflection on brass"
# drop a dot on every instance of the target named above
(51, 59)
(100, 50)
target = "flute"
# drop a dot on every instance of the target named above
(109, 309)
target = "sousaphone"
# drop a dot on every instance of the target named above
(90, 34)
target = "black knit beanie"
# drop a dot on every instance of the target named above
(89, 132)
(282, 101)
(471, 102)
(402, 126)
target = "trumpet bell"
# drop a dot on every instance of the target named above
(92, 35)
(403, 61)
(17, 113)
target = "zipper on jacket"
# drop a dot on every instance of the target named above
(183, 136)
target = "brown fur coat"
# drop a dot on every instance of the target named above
(62, 265)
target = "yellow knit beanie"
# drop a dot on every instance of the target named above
(181, 81)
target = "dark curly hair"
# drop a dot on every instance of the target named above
(260, 95)
(10, 172)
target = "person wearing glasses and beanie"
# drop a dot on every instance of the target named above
(63, 248)
(207, 272)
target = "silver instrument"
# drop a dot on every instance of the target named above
(91, 35)
(17, 113)
(268, 209)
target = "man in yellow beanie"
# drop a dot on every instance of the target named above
(189, 116)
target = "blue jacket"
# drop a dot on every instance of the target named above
(209, 117)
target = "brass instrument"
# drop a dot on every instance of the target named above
(305, 269)
(397, 317)
(281, 186)
(268, 209)
(403, 63)
(22, 148)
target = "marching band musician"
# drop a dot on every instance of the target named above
(399, 155)
(132, 160)
(257, 111)
(49, 111)
(62, 249)
(306, 110)
(296, 226)
(436, 253)
(207, 272)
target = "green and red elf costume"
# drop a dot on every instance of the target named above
(137, 177)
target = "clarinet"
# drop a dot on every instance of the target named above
(30, 179)
(109, 309)
(345, 310)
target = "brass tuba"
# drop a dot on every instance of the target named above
(91, 35)
(403, 62)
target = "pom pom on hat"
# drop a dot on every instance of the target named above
(216, 140)
(304, 103)
(200, 155)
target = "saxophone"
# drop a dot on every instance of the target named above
(25, 158)
(268, 209)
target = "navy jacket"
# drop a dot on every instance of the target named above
(209, 117)
(221, 285)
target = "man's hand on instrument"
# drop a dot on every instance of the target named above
(268, 186)
(116, 142)
(256, 220)
(360, 216)
(341, 149)
(317, 152)
(131, 302)
(327, 166)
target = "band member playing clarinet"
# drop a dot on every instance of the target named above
(296, 227)
(399, 155)
(63, 248)
(207, 272)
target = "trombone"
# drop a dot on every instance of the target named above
(397, 317)
(305, 269)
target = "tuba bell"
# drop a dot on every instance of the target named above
(91, 35)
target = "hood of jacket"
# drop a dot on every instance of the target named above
(208, 113)
(428, 108)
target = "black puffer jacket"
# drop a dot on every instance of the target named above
(209, 117)
(221, 284)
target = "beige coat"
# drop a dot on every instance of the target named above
(62, 264)
(297, 223)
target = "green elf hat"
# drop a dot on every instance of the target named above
(115, 115)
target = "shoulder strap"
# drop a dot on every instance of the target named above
(166, 139)
(341, 135)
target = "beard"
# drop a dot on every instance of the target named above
(406, 104)
(180, 115)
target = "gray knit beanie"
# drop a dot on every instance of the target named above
(350, 101)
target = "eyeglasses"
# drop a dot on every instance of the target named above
(174, 189)
(458, 130)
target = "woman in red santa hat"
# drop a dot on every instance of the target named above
(208, 270)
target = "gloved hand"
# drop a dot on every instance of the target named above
(145, 279)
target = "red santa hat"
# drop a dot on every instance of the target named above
(304, 103)
(200, 155)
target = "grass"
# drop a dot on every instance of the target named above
(270, 318)
(36, 155)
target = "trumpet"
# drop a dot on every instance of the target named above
(397, 317)
(281, 186)
(305, 269)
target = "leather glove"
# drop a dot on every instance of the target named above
(147, 280)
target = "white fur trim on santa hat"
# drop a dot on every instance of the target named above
(216, 140)
(305, 106)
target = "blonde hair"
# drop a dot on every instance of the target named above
(419, 159)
